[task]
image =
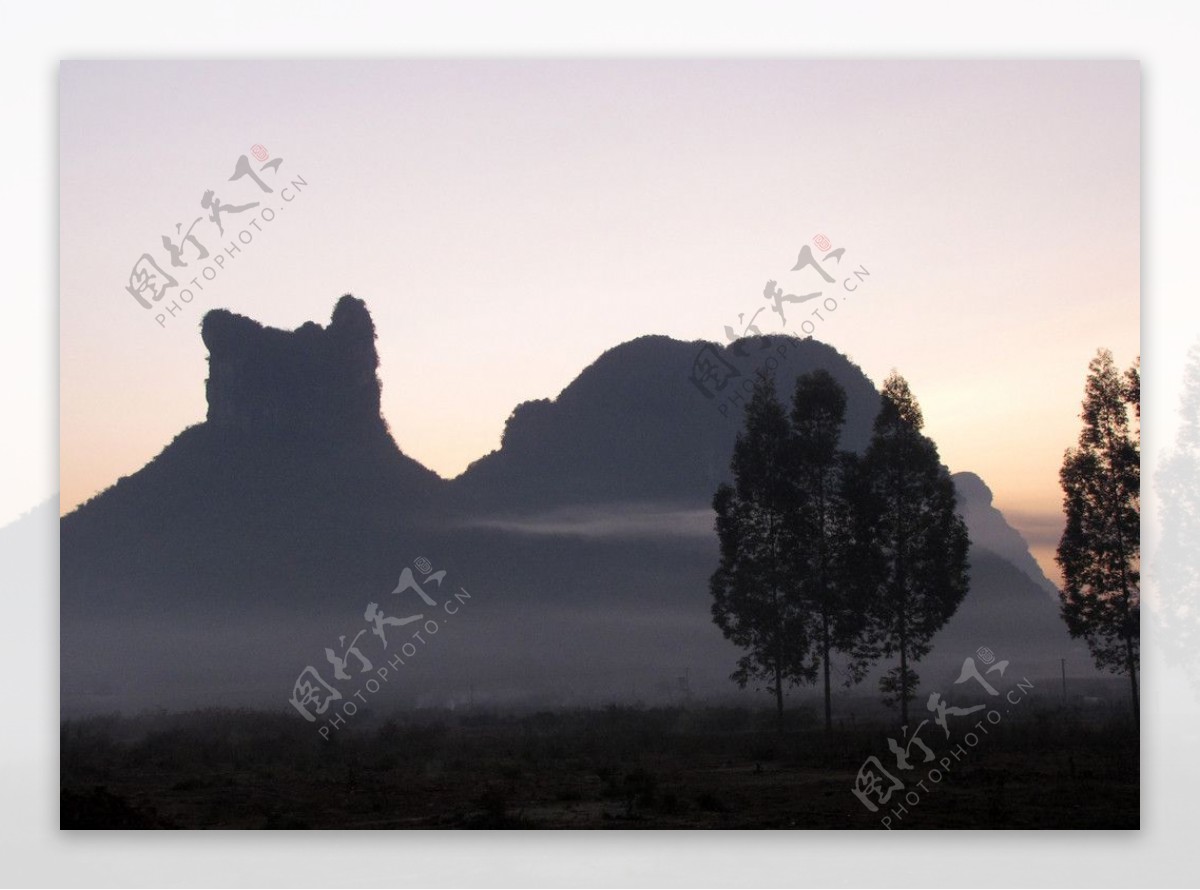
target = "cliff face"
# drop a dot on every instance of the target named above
(313, 380)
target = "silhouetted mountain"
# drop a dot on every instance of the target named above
(1009, 613)
(634, 427)
(291, 482)
(218, 571)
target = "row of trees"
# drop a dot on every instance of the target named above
(828, 554)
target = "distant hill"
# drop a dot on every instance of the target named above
(633, 426)
(990, 529)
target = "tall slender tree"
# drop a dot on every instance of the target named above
(822, 522)
(1100, 549)
(911, 549)
(753, 589)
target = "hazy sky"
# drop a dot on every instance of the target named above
(508, 221)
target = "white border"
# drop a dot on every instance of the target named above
(34, 37)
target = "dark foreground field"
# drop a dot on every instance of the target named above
(610, 768)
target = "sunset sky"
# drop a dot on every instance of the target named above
(508, 221)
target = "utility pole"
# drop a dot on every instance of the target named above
(1063, 661)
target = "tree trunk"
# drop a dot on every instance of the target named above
(823, 581)
(1132, 669)
(779, 654)
(778, 698)
(825, 659)
(902, 609)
